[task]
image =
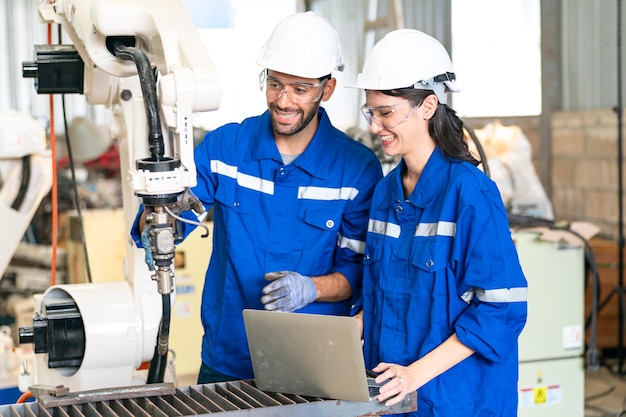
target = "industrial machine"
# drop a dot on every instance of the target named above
(551, 346)
(145, 62)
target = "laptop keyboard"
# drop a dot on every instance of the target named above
(372, 386)
(373, 390)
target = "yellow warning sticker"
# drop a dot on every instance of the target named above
(539, 395)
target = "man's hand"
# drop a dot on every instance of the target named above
(187, 201)
(288, 291)
(147, 247)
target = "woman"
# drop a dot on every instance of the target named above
(444, 295)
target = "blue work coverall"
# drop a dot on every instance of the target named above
(309, 216)
(439, 262)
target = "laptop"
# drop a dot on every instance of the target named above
(308, 354)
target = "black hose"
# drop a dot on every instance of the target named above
(79, 212)
(156, 372)
(21, 194)
(481, 150)
(148, 88)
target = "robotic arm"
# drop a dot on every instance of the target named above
(145, 61)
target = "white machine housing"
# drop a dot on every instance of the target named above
(552, 345)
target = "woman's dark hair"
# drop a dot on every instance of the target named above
(445, 127)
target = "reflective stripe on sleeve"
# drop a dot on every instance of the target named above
(327, 194)
(434, 229)
(501, 295)
(383, 228)
(357, 246)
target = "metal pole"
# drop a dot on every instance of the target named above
(622, 307)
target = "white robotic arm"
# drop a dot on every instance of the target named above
(25, 177)
(144, 60)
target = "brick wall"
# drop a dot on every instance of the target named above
(584, 168)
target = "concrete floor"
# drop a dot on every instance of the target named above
(605, 393)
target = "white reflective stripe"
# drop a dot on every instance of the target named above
(218, 167)
(354, 245)
(468, 296)
(502, 295)
(255, 183)
(327, 194)
(434, 229)
(245, 180)
(383, 228)
(202, 216)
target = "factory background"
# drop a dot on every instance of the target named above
(549, 68)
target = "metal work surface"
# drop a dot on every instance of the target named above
(236, 398)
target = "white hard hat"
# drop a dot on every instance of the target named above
(304, 45)
(408, 58)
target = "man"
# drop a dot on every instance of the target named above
(290, 195)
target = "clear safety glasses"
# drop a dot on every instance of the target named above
(387, 117)
(299, 92)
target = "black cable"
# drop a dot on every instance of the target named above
(148, 88)
(24, 182)
(156, 372)
(79, 213)
(619, 289)
(73, 174)
(479, 147)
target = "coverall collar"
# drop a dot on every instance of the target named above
(428, 186)
(264, 147)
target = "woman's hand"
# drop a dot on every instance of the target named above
(401, 382)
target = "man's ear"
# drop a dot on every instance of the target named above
(329, 88)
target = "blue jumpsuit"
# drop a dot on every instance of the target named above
(309, 216)
(440, 262)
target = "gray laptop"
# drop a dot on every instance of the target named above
(308, 354)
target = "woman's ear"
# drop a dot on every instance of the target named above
(429, 106)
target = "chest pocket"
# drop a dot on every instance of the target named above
(431, 254)
(238, 206)
(374, 271)
(430, 257)
(236, 198)
(326, 218)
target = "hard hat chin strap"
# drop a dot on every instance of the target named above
(448, 76)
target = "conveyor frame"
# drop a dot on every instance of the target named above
(235, 398)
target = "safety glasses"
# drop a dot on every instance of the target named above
(299, 92)
(388, 117)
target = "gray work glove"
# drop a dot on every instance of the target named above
(147, 247)
(186, 202)
(289, 291)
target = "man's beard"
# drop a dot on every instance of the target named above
(293, 129)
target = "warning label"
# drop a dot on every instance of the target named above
(540, 395)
